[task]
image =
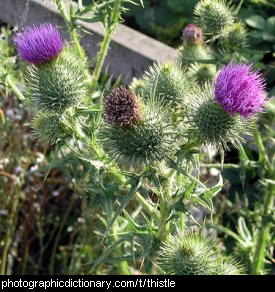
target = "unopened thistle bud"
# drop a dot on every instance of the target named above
(121, 107)
(240, 90)
(213, 16)
(167, 81)
(192, 34)
(210, 124)
(234, 37)
(133, 139)
(137, 86)
(202, 72)
(191, 53)
(57, 85)
(39, 44)
(229, 267)
(49, 128)
(188, 253)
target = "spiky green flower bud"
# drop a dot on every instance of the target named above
(210, 124)
(234, 37)
(213, 16)
(57, 85)
(167, 81)
(190, 253)
(230, 266)
(202, 72)
(49, 128)
(191, 53)
(137, 86)
(146, 141)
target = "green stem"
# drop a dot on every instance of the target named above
(14, 88)
(263, 237)
(148, 207)
(262, 153)
(106, 43)
(71, 27)
(227, 165)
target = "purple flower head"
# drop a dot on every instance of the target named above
(39, 44)
(192, 34)
(240, 90)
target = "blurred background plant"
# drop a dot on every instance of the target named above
(67, 208)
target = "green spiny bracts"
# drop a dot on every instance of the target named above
(188, 253)
(49, 128)
(191, 53)
(202, 72)
(149, 140)
(137, 86)
(234, 37)
(212, 125)
(213, 16)
(167, 81)
(230, 266)
(57, 85)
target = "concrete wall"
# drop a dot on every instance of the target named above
(130, 53)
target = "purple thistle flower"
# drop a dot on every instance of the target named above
(240, 90)
(39, 44)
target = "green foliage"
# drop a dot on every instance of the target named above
(164, 19)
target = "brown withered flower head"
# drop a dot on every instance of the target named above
(121, 107)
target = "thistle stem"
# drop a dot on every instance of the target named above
(106, 42)
(71, 27)
(263, 236)
(14, 88)
(148, 207)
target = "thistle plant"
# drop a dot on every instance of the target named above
(144, 144)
